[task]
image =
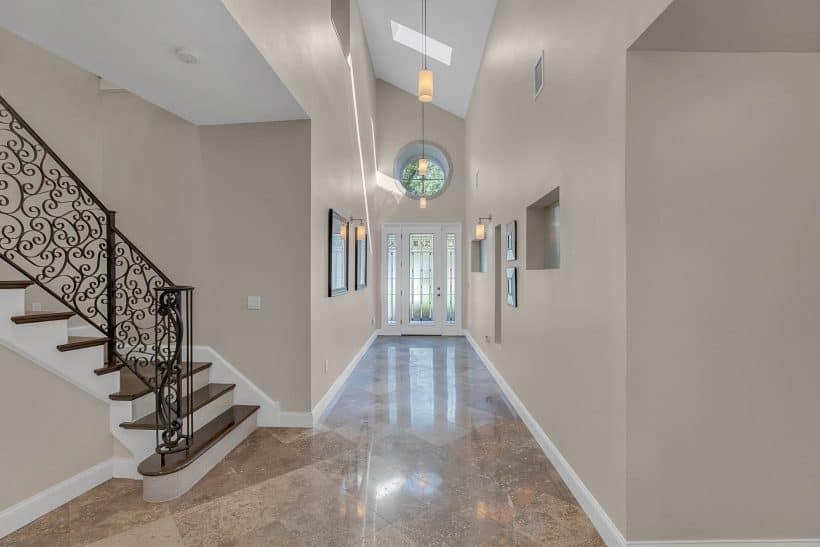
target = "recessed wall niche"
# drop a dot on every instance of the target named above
(544, 232)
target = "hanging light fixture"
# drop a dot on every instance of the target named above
(425, 74)
(422, 164)
(422, 170)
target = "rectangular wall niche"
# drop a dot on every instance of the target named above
(478, 256)
(544, 233)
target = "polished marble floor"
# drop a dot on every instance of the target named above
(421, 448)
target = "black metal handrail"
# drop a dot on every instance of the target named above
(58, 234)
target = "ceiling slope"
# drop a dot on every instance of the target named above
(461, 24)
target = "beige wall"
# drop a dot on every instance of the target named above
(221, 208)
(299, 42)
(564, 348)
(723, 295)
(398, 122)
(56, 440)
(256, 192)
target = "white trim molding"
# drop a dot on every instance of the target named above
(609, 532)
(18, 515)
(331, 394)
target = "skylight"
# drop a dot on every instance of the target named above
(415, 40)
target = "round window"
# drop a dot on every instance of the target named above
(407, 166)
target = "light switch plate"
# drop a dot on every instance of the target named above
(36, 306)
(254, 302)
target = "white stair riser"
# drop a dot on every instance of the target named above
(146, 404)
(12, 302)
(210, 411)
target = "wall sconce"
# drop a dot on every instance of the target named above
(423, 202)
(361, 229)
(481, 227)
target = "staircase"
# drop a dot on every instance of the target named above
(58, 235)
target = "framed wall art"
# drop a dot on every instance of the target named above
(337, 254)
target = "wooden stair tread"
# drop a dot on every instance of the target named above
(107, 369)
(80, 342)
(41, 316)
(15, 284)
(200, 398)
(131, 387)
(204, 438)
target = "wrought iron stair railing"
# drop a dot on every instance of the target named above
(58, 234)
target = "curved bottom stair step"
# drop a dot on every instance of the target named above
(212, 442)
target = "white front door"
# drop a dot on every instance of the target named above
(421, 280)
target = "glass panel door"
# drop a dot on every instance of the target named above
(422, 282)
(421, 279)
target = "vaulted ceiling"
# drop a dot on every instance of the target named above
(460, 24)
(134, 43)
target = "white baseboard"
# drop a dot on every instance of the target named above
(730, 543)
(606, 528)
(22, 513)
(610, 533)
(295, 419)
(125, 468)
(323, 404)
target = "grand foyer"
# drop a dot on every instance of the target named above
(367, 272)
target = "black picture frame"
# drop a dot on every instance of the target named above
(512, 286)
(337, 265)
(360, 282)
(512, 241)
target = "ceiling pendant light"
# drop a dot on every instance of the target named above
(422, 170)
(422, 165)
(425, 74)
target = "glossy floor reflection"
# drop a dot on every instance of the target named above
(421, 448)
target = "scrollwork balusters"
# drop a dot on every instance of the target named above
(174, 356)
(57, 233)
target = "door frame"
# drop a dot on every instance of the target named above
(403, 327)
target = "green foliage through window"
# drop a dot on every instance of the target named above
(419, 186)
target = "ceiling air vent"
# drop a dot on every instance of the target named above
(538, 76)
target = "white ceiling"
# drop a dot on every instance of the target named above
(461, 24)
(132, 43)
(735, 26)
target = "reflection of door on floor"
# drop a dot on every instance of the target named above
(421, 281)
